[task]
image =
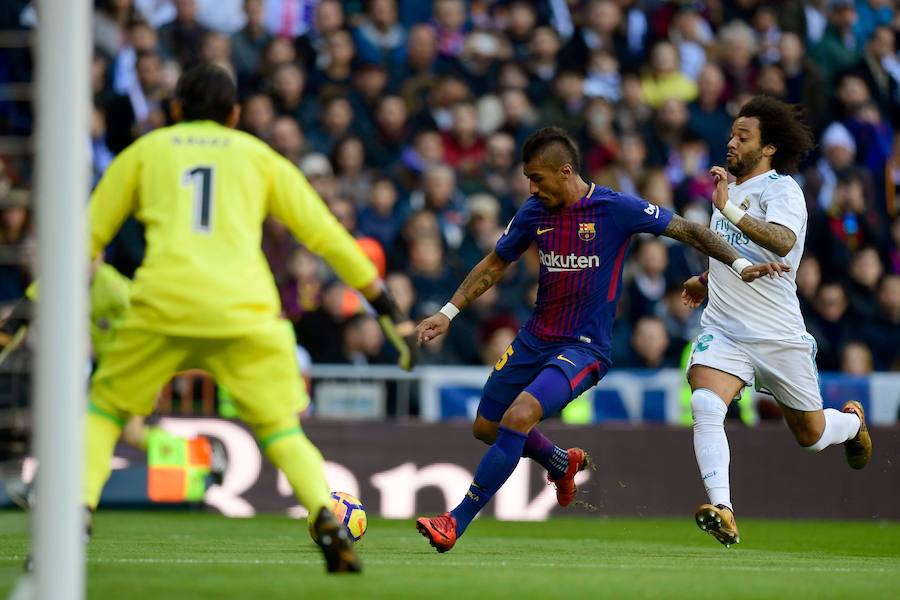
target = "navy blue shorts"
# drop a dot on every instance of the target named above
(521, 363)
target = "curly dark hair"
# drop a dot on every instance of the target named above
(784, 126)
(545, 138)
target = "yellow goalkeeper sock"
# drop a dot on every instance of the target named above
(103, 427)
(291, 451)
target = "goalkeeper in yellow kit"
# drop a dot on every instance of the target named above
(204, 296)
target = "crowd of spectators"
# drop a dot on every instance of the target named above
(408, 116)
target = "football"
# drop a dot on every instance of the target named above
(350, 512)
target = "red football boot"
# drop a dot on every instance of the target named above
(440, 530)
(565, 485)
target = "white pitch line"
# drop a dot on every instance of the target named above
(475, 564)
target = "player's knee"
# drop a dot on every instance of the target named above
(524, 414)
(485, 431)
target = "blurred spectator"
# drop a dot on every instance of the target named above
(216, 47)
(629, 167)
(883, 330)
(830, 325)
(278, 246)
(819, 180)
(482, 231)
(101, 155)
(862, 288)
(804, 78)
(737, 50)
(110, 23)
(768, 33)
(381, 218)
(543, 62)
(666, 130)
(664, 78)
(440, 195)
(834, 235)
(521, 116)
(632, 114)
(338, 303)
(362, 342)
(691, 35)
(181, 39)
(493, 174)
(840, 48)
(391, 132)
(648, 284)
(301, 290)
(649, 346)
(521, 20)
(319, 172)
(809, 276)
(379, 36)
(334, 123)
(449, 25)
(603, 29)
(856, 359)
(463, 145)
(599, 137)
(708, 117)
(479, 62)
(258, 116)
(334, 66)
(879, 67)
(370, 81)
(681, 322)
(432, 279)
(565, 106)
(603, 79)
(140, 38)
(247, 45)
(327, 18)
(287, 139)
(288, 97)
(349, 162)
(139, 110)
(418, 71)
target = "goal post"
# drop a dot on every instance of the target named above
(62, 185)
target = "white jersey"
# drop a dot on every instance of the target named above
(766, 309)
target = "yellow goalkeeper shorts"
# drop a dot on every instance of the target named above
(260, 370)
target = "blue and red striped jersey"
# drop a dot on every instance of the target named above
(581, 248)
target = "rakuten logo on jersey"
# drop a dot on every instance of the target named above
(568, 262)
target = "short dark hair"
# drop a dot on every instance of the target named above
(206, 92)
(547, 137)
(783, 126)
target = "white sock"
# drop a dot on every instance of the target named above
(711, 445)
(839, 427)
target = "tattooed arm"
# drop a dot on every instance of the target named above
(771, 236)
(485, 274)
(703, 239)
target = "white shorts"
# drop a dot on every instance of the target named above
(785, 369)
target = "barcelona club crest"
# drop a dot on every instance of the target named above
(587, 231)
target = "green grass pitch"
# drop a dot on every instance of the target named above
(142, 555)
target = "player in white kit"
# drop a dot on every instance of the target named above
(754, 332)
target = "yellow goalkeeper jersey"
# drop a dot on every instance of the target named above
(202, 191)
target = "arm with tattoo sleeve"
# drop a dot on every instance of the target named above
(771, 236)
(485, 274)
(702, 238)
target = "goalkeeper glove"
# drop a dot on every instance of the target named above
(398, 328)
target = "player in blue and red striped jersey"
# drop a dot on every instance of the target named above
(582, 232)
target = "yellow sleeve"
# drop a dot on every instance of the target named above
(114, 198)
(294, 202)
